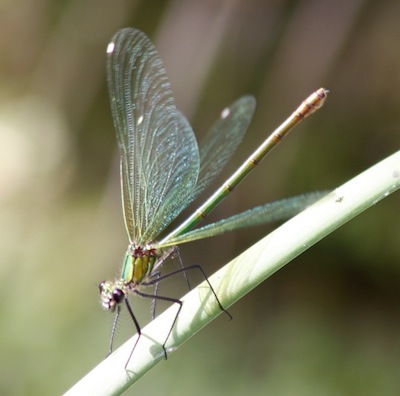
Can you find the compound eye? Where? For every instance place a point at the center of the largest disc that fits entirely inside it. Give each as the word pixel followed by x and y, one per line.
pixel 118 296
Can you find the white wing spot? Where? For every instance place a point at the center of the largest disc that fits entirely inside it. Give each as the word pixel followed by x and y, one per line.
pixel 140 120
pixel 225 113
pixel 110 47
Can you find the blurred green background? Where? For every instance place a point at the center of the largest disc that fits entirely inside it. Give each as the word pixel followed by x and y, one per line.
pixel 328 323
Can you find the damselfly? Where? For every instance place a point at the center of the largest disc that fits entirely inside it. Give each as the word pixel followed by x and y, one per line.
pixel 163 170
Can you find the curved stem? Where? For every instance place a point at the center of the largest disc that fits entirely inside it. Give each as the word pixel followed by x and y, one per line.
pixel 257 263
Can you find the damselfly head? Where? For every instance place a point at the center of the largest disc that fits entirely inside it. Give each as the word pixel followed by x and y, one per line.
pixel 112 294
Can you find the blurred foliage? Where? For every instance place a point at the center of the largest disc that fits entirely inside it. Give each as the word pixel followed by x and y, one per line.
pixel 329 323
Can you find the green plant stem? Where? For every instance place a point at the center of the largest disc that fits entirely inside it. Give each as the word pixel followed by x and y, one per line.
pixel 240 276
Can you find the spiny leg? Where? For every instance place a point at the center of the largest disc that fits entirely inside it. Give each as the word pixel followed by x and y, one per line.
pixel 173 252
pixel 183 270
pixel 155 296
pixel 177 252
pixel 155 276
pixel 138 329
pixel 114 327
pixel 163 298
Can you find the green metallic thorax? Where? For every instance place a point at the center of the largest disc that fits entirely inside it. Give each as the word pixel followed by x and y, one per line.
pixel 138 263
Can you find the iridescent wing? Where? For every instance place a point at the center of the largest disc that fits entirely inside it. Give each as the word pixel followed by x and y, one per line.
pixel 159 153
pixel 223 139
pixel 267 213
